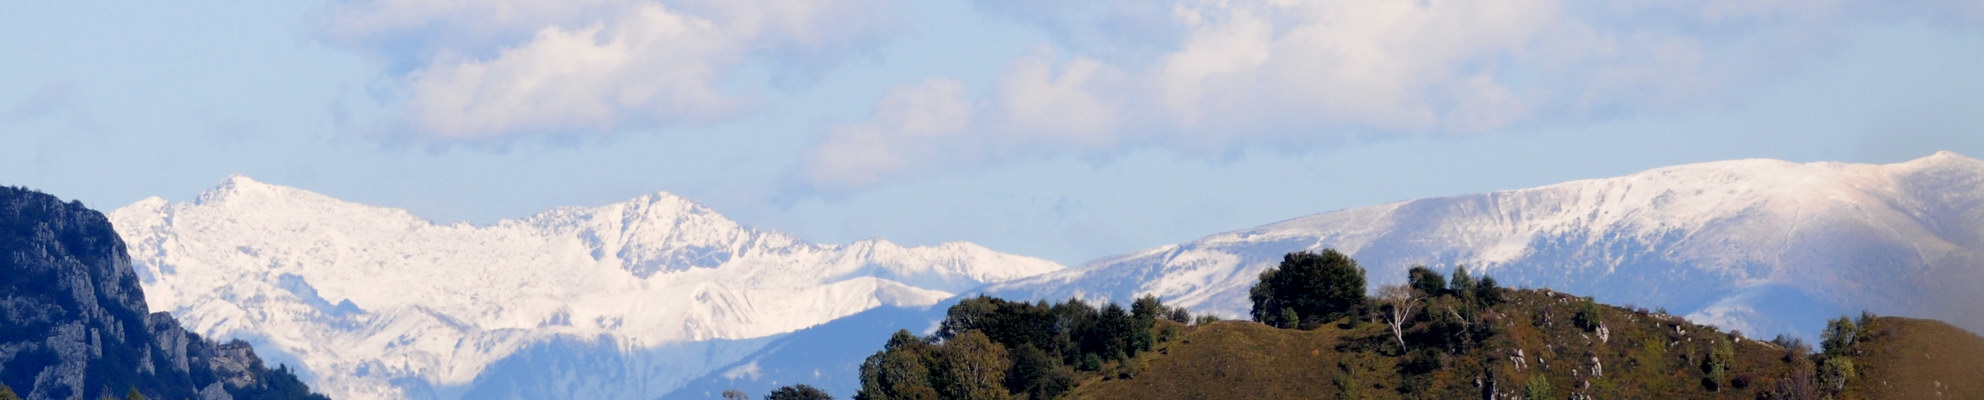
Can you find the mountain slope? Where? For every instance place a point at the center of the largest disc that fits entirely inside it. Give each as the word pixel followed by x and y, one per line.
pixel 1762 246
pixel 74 323
pixel 1539 347
pixel 378 303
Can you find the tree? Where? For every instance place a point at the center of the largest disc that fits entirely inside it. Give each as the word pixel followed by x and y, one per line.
pixel 1426 280
pixel 1180 315
pixel 134 395
pixel 798 392
pixel 1587 316
pixel 1115 334
pixel 1317 287
pixel 1487 292
pixel 1463 284
pixel 734 394
pixel 901 371
pixel 973 367
pixel 1839 334
pixel 1144 314
pixel 1720 358
pixel 7 393
pixel 1398 302
pixel 1835 373
pixel 1037 374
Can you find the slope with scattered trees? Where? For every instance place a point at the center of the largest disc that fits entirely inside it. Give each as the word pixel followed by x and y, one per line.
pixel 1433 337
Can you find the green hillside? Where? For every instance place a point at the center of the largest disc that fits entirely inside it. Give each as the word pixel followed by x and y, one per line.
pixel 1906 358
pixel 1536 346
pixel 1433 338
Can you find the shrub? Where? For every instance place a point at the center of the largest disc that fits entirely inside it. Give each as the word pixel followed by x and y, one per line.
pixel 1539 388
pixel 1587 317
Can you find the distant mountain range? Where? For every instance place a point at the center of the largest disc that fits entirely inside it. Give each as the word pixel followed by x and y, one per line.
pixel 1762 246
pixel 659 295
pixel 619 301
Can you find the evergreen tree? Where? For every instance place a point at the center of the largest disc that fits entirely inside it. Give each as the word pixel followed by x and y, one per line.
pixel 1144 313
pixel 1463 284
pixel 1114 332
pixel 1487 291
pixel 1428 282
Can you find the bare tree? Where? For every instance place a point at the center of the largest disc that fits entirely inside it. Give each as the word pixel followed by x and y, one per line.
pixel 734 394
pixel 1401 300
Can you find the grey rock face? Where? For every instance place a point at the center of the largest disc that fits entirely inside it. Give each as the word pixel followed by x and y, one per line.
pixel 74 323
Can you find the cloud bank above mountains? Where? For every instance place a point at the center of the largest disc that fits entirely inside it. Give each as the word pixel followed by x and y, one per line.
pixel 483 71
pixel 1190 76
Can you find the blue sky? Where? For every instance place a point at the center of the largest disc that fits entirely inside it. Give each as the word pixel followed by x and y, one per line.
pixel 1065 130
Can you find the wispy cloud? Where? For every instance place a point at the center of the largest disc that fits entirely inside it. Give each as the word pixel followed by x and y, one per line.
pixel 58 101
pixel 1206 76
pixel 500 70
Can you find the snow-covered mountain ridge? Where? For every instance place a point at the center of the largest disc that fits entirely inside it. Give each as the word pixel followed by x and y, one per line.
pixel 377 303
pixel 1764 246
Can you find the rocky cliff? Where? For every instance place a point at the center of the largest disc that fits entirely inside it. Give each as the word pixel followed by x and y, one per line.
pixel 74 323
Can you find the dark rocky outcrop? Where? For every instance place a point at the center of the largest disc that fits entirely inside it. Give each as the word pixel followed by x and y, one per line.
pixel 74 324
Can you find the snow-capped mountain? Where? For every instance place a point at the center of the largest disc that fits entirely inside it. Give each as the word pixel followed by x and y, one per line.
pixel 1763 246
pixel 376 303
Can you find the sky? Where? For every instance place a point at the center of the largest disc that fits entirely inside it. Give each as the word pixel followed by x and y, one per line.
pixel 1063 130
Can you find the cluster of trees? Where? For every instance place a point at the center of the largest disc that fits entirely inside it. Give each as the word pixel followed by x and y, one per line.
pixel 1826 374
pixel 1309 289
pixel 1431 319
pixel 788 392
pixel 989 348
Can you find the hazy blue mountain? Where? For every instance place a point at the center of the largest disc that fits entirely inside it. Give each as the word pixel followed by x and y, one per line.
pixel 828 356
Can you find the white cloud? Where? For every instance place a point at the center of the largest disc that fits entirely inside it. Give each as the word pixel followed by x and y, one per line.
pixel 1208 75
pixel 914 126
pixel 481 71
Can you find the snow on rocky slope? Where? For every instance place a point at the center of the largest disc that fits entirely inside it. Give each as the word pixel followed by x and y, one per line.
pixel 1763 246
pixel 376 303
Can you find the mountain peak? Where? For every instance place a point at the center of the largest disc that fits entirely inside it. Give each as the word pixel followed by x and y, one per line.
pixel 643 270
pixel 1944 157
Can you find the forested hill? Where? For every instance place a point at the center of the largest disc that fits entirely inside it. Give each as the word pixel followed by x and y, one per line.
pixel 1434 338
pixel 74 323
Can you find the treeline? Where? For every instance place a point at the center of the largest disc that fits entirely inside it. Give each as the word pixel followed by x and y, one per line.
pixel 989 348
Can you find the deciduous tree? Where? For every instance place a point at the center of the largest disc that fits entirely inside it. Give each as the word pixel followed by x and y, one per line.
pixel 973 367
pixel 1398 302
pixel 798 392
pixel 1315 286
